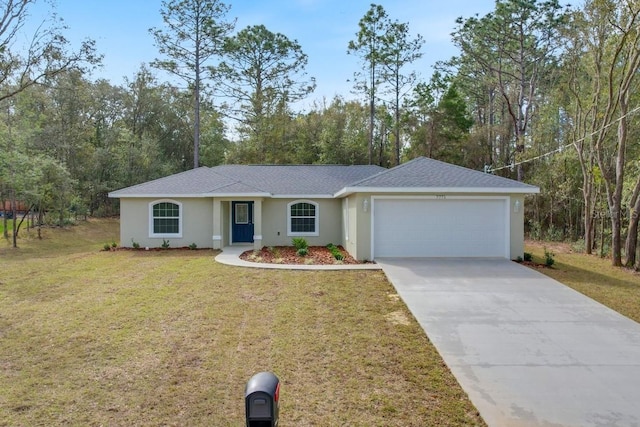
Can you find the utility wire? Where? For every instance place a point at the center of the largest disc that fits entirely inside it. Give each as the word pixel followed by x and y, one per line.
pixel 489 169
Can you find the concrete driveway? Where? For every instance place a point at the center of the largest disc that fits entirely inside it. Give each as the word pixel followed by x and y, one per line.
pixel 528 350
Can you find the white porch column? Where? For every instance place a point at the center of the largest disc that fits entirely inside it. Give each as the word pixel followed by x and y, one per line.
pixel 257 224
pixel 217 224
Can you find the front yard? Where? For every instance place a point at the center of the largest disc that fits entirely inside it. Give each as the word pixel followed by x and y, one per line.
pixel 89 337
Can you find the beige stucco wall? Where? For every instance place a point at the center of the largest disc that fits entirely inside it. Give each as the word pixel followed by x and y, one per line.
pixel 346 223
pixel 359 243
pixel 274 222
pixel 197 226
pixel 517 226
pixel 198 222
pixel 226 223
pixel 355 235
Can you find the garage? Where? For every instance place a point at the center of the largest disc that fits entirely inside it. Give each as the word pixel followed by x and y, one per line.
pixel 441 227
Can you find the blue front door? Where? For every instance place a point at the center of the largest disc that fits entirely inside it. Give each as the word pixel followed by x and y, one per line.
pixel 242 222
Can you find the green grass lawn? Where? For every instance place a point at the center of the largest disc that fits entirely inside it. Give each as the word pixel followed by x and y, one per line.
pixel 89 337
pixel 9 226
pixel 615 287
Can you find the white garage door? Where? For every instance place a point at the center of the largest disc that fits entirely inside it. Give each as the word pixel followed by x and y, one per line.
pixel 440 228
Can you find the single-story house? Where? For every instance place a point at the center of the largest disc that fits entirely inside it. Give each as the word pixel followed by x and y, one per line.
pixel 422 208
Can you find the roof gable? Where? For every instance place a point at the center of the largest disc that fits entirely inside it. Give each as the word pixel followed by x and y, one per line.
pixel 424 173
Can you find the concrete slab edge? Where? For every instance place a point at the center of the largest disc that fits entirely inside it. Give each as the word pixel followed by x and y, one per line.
pixel 231 256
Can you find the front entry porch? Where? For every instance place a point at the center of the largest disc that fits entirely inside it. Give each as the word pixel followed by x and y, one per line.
pixel 237 222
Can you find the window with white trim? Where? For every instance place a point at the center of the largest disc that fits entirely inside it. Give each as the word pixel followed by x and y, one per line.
pixel 165 219
pixel 302 218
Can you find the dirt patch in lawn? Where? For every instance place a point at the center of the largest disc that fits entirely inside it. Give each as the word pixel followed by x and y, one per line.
pixel 316 255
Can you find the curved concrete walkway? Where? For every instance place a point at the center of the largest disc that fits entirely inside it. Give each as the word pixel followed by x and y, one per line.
pixel 529 351
pixel 230 255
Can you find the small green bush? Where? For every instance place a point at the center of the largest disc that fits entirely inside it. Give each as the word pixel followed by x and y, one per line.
pixel 274 251
pixel 519 259
pixel 135 244
pixel 114 245
pixel 578 246
pixel 165 244
pixel 548 258
pixel 299 243
pixel 555 234
pixel 193 246
pixel 528 257
pixel 302 252
pixel 535 230
pixel 106 247
pixel 337 254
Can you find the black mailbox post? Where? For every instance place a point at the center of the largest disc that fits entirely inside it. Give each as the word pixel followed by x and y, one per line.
pixel 261 397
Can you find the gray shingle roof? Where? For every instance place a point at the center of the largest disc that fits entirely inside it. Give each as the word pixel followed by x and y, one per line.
pixel 265 180
pixel 298 179
pixel 320 180
pixel 424 173
pixel 194 182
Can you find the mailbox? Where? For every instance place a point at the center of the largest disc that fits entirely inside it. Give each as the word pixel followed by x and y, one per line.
pixel 261 397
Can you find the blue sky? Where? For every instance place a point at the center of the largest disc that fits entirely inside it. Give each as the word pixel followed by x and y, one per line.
pixel 322 27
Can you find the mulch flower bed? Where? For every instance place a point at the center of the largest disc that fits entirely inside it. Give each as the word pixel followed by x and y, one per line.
pixel 318 255
pixel 533 264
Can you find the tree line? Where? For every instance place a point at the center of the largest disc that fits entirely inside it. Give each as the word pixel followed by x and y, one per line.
pixel 539 92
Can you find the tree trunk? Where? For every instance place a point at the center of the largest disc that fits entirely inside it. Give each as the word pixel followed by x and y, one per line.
pixel 196 106
pixel 616 197
pixel 372 107
pixel 396 130
pixel 17 225
pixel 588 196
pixel 616 234
pixel 4 218
pixel 587 192
pixel 519 149
pixel 40 220
pixel 632 238
pixel 602 222
pixel 372 113
pixel 13 216
pixel 631 242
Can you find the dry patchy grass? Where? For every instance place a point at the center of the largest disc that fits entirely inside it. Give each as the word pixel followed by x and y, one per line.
pixel 617 288
pixel 170 338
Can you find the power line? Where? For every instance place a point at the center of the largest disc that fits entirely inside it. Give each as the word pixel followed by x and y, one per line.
pixel 512 165
pixel 489 169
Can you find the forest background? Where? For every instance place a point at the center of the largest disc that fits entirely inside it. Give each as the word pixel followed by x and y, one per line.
pixel 541 92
